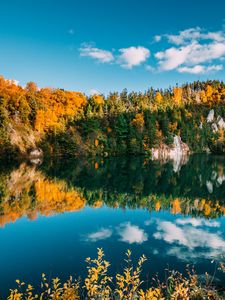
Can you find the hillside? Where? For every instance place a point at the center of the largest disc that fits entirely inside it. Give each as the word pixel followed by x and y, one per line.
pixel 70 123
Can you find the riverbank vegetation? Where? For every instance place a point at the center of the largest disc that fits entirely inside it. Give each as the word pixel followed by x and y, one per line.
pixel 70 123
pixel 128 284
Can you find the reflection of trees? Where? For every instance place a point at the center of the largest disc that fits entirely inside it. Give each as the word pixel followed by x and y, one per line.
pixel 197 190
pixel 28 192
pixel 138 177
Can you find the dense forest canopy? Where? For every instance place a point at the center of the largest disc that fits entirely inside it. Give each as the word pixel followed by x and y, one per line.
pixel 66 122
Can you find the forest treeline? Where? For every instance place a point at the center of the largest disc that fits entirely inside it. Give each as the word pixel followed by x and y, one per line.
pixel 64 122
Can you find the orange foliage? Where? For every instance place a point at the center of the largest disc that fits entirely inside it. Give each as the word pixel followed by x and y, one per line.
pixel 139 121
pixel 57 105
pixel 207 209
pixel 157 206
pixel 158 97
pixel 177 95
pixel 50 197
pixel 98 99
pixel 97 204
pixel 203 96
pixel 96 143
pixel 53 197
pixel 176 208
pixel 209 92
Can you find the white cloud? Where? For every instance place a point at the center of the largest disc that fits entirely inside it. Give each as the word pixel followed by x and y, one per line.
pixel 190 55
pixel 102 234
pixel 172 58
pixel 94 92
pixel 150 68
pixel 103 56
pixel 189 241
pixel 155 251
pixel 189 236
pixel 148 222
pixel 187 255
pixel 127 233
pixel 127 57
pixel 194 34
pixel 200 69
pixel 132 234
pixel 193 51
pixel 157 38
pixel 192 47
pixel 218 36
pixel 197 222
pixel 186 35
pixel 133 56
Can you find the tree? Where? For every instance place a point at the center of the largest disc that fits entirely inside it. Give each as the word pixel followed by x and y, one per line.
pixel 177 95
pixel 158 98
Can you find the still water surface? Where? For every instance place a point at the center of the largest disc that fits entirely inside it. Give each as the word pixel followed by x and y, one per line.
pixel 54 216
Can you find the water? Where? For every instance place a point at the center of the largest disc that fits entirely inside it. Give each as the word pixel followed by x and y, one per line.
pixel 54 216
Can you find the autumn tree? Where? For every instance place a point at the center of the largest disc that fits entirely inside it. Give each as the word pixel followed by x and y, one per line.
pixel 177 95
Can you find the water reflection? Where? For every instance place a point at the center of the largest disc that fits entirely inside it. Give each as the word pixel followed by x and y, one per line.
pixel 191 238
pixel 173 217
pixel 198 189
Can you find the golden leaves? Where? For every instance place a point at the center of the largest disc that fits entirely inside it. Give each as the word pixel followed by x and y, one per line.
pixel 176 206
pixel 158 97
pixel 98 285
pixel 128 283
pixel 96 142
pixel 177 95
pixel 209 91
pixel 139 121
pixel 97 281
pixel 98 99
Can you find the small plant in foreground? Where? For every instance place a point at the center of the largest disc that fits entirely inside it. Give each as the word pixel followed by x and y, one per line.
pixel 98 285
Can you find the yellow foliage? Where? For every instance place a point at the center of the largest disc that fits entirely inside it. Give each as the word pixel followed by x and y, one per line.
pixel 177 95
pixel 97 204
pixel 139 121
pixel 129 281
pixel 151 294
pixel 99 285
pixel 176 208
pixel 158 97
pixel 57 104
pixel 209 92
pixel 97 281
pixel 98 99
pixel 221 135
pixel 173 126
pixel 96 142
pixel 157 206
pixel 207 209
pixel 203 96
pixel 54 197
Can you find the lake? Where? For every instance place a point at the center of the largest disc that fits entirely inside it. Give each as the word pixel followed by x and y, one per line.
pixel 55 215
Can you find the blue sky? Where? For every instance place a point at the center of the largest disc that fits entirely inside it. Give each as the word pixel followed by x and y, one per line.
pixel 108 45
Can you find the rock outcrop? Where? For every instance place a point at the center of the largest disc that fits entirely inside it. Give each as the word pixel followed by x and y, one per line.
pixel 36 156
pixel 216 123
pixel 177 153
